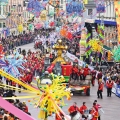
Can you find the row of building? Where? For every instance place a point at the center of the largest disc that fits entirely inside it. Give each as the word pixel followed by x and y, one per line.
pixel 16 12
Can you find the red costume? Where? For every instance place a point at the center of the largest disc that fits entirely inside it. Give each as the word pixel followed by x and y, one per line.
pixel 73 109
pixel 109 84
pixel 82 109
pixel 86 71
pixel 101 85
pixel 94 113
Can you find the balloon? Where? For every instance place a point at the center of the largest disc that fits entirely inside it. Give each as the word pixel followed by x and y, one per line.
pixel 43 15
pixel 52 24
pixel 69 35
pixel 83 42
pixel 30 26
pixel 57 29
pixel 20 28
pixel 63 32
pixel 38 26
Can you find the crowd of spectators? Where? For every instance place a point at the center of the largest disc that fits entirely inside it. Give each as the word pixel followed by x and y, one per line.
pixel 14 41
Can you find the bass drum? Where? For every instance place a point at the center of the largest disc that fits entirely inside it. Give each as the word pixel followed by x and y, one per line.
pixel 77 116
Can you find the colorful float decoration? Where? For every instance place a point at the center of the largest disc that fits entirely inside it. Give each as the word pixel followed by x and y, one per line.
pixel 117 6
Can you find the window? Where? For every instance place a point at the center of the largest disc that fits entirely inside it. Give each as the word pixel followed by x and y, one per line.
pixel 0 25
pixel 61 1
pixel 9 7
pixel 90 11
pixel 0 10
pixel 4 25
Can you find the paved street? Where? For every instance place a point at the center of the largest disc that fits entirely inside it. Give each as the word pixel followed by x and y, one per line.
pixel 111 105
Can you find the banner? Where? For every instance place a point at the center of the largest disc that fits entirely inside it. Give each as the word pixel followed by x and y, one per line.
pixel 73 58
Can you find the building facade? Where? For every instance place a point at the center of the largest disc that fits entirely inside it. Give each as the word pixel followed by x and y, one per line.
pixel 17 15
pixel 2 19
pixel 109 20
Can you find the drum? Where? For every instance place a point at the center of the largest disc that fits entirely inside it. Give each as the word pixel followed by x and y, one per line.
pixel 100 111
pixel 68 117
pixel 77 116
pixel 89 117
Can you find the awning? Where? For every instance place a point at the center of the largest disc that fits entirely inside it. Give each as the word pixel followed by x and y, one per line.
pixel 106 22
pixel 107 48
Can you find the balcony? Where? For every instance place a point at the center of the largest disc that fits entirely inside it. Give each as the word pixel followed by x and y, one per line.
pixel 91 4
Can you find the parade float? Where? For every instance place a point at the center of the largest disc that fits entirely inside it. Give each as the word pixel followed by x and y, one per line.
pixel 61 67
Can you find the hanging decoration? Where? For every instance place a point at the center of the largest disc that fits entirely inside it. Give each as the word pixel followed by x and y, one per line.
pixel 52 24
pixel 36 7
pixel 76 7
pixel 31 27
pixel 100 6
pixel 20 28
pixel 43 15
pixel 117 6
pixel 38 25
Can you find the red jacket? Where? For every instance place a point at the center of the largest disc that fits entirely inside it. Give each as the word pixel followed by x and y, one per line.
pixel 75 70
pixel 86 71
pixel 99 76
pixel 73 109
pixel 101 85
pixel 82 109
pixel 94 114
pixel 109 84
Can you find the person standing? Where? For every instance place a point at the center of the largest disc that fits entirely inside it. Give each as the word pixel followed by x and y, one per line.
pixel 100 89
pixel 109 85
pixel 82 110
pixel 94 112
pixel 98 107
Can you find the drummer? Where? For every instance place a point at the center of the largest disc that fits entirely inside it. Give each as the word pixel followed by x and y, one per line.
pixel 83 109
pixel 73 110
